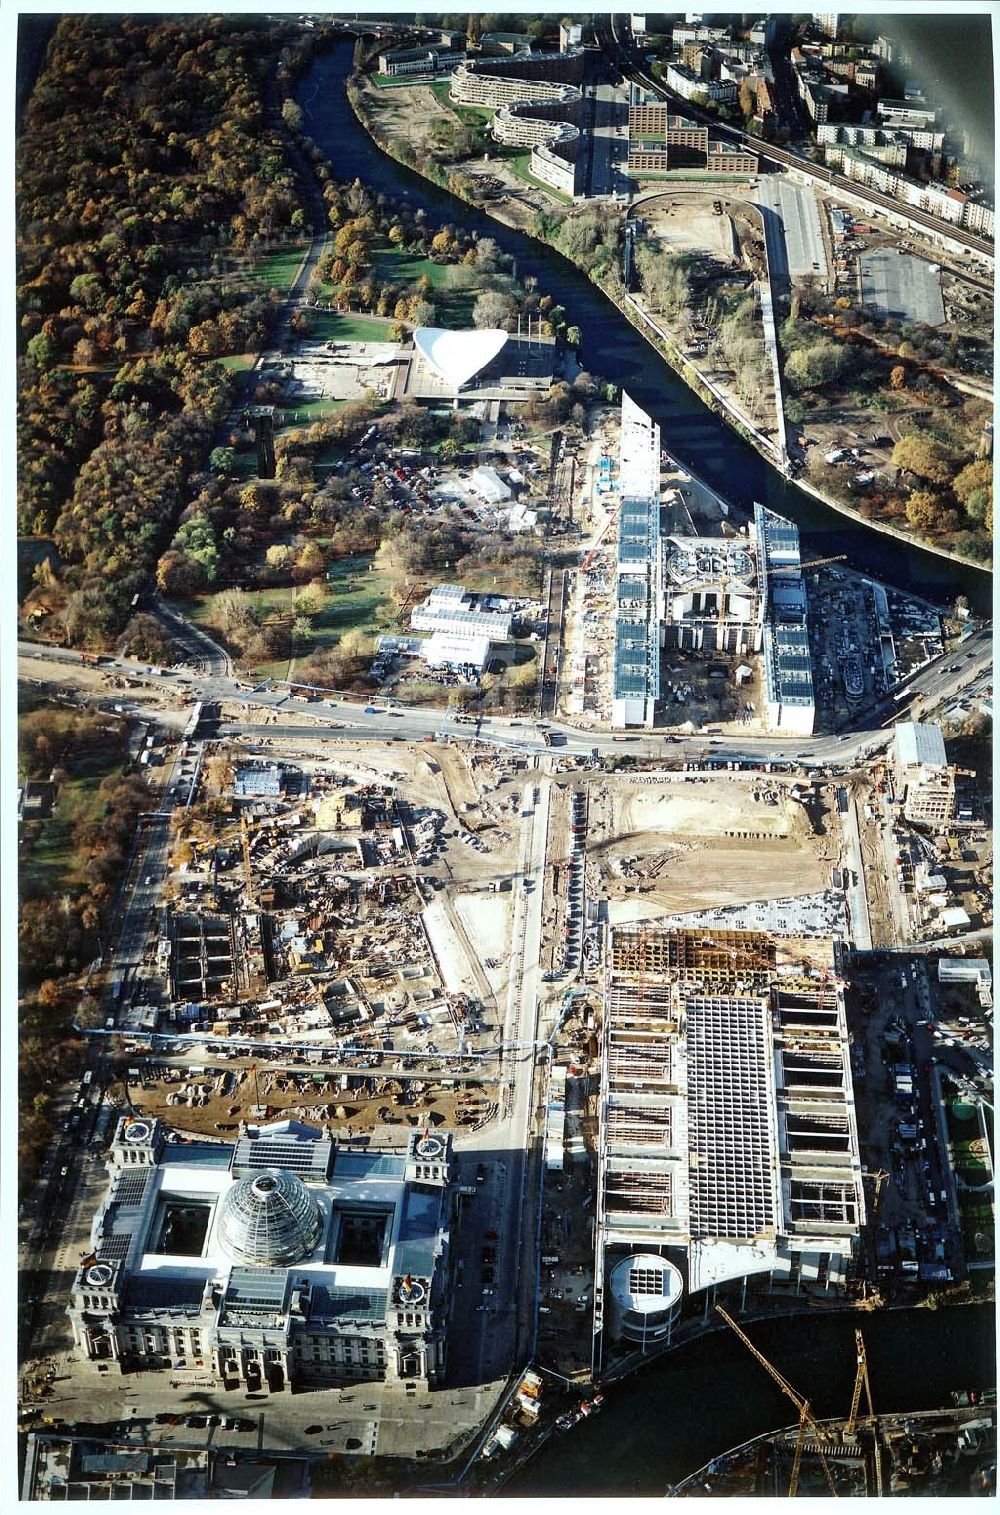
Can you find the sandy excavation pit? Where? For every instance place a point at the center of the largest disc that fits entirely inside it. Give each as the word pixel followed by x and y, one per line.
pixel 694 847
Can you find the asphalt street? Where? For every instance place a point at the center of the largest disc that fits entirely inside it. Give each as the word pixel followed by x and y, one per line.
pixel 382 721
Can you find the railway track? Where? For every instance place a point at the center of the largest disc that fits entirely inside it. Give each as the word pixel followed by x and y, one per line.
pixel 786 159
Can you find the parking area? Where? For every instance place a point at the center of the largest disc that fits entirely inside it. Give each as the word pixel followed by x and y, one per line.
pixel 901 286
pixel 796 208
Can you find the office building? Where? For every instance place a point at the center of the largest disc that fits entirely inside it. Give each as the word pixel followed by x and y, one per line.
pixel 727 1139
pixel 924 778
pixel 418 60
pixel 711 594
pixel 282 1260
pixel 660 140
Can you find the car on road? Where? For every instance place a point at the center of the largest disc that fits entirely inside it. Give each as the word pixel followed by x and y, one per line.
pixel 480 1174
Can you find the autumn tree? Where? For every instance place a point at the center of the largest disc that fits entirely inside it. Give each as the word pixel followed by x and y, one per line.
pixel 492 309
pixel 974 477
pixel 923 509
pixel 924 457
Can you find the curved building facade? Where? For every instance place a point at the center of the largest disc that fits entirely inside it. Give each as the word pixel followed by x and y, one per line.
pixel 530 112
pixel 646 1291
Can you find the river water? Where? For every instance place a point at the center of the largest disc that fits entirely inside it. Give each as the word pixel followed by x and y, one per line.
pixel 669 1419
pixel 612 348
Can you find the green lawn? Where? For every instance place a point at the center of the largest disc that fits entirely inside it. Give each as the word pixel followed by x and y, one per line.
pixel 239 362
pixel 277 270
pixel 309 410
pixel 474 116
pixel 452 295
pixel 337 326
pixel 54 864
pixel 356 599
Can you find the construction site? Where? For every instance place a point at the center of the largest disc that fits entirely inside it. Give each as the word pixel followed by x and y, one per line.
pixel 950 1451
pixel 695 843
pixel 728 1147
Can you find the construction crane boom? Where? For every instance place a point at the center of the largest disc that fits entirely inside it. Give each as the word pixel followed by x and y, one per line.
pixel 806 1419
pixel 840 557
pixel 783 1384
pixel 860 1381
pixel 612 518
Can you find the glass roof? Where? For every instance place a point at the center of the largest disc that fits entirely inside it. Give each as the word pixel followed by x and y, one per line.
pixel 269 1219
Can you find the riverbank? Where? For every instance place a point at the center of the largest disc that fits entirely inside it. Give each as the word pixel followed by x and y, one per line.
pixel 686 372
pixel 671 1415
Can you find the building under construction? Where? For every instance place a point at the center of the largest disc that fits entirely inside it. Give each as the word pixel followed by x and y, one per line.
pixel 728 1144
pixel 712 595
pixel 734 595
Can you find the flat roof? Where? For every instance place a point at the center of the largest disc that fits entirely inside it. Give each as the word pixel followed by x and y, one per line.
pixel 920 744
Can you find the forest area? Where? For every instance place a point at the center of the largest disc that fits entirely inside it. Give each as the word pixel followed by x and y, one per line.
pixel 149 181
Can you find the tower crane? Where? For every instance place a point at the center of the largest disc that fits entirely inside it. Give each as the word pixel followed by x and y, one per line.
pixel 806 1418
pixel 862 1381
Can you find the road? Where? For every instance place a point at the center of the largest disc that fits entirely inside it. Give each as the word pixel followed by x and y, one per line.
pixel 341 719
pixel 197 644
pixel 606 109
pixel 857 888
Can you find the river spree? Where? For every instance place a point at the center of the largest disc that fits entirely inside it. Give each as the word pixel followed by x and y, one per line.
pixel 672 1418
pixel 613 349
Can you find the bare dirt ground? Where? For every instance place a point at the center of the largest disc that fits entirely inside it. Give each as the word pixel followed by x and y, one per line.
pixel 675 848
pixel 298 1096
pixel 407 114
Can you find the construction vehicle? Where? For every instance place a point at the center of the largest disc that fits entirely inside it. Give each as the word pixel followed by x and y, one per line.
pixel 807 1422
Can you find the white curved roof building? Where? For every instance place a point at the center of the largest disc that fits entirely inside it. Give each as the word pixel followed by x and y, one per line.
pixel 457 356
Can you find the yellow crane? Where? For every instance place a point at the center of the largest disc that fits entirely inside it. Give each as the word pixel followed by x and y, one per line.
pixel 806 1419
pixel 247 863
pixel 862 1381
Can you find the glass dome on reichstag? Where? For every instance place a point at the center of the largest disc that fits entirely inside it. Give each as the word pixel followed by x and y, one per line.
pixel 269 1220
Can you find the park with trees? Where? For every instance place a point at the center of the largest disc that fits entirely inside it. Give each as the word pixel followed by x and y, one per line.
pixel 847 377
